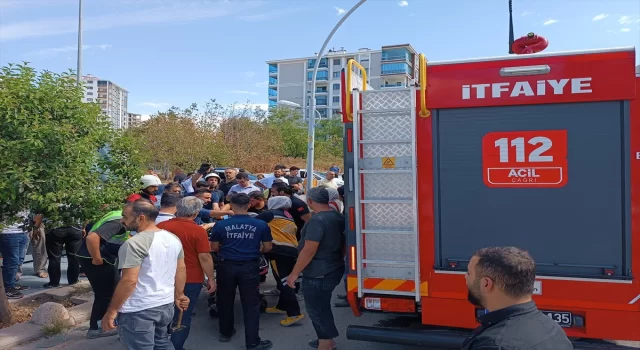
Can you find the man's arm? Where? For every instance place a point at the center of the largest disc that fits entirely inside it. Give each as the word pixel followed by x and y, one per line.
pixel 195 178
pixel 93 246
pixel 206 262
pixel 217 213
pixel 181 278
pixel 124 289
pixel 266 247
pixel 306 217
pixel 215 246
pixel 305 256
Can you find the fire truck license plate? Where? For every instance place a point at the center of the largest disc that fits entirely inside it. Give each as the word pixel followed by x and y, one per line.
pixel 564 319
pixel 372 304
pixel 525 158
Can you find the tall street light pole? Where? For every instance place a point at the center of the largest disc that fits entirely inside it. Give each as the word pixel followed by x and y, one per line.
pixel 312 107
pixel 511 38
pixel 79 69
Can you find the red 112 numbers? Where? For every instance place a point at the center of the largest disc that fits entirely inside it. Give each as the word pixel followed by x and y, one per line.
pixel 525 158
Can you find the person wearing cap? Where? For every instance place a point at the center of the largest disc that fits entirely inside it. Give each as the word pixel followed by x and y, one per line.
pixel 283 257
pixel 149 187
pixel 257 202
pixel 321 263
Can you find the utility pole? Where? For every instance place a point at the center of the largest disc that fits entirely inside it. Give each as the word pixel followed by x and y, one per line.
pixel 79 68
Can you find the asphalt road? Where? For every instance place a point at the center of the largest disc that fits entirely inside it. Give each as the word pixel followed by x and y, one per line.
pixel 204 332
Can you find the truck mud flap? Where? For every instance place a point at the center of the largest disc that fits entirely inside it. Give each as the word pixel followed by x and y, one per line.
pixel 445 339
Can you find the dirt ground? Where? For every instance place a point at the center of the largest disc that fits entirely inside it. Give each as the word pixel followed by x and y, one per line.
pixel 22 313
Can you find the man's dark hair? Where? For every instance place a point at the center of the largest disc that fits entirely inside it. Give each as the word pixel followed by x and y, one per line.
pixel 512 269
pixel 279 167
pixel 282 187
pixel 242 176
pixel 292 168
pixel 240 200
pixel 170 199
pixel 144 207
pixel 202 184
pixel 171 185
pixel 256 195
pixel 200 191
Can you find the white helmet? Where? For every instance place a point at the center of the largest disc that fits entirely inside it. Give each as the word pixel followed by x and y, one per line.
pixel 149 180
pixel 212 175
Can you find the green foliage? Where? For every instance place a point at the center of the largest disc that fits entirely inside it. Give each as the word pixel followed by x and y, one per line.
pixel 329 138
pixel 291 129
pixel 49 150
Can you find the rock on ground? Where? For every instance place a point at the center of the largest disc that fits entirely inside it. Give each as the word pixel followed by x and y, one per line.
pixel 50 313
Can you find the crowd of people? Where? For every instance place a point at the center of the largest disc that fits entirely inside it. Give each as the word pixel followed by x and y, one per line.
pixel 149 262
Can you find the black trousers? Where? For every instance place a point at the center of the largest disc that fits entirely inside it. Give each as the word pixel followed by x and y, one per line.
pixel 243 275
pixel 103 279
pixel 69 239
pixel 282 266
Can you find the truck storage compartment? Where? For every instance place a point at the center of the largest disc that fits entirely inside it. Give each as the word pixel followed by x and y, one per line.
pixel 577 227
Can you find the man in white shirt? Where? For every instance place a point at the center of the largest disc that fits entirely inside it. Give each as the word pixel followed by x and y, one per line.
pixel 243 186
pixel 278 173
pixel 153 279
pixel 168 209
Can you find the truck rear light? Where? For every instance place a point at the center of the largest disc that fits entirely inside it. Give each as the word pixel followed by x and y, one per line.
pixel 453 264
pixel 372 304
pixel 609 272
pixel 353 258
pixel 352 219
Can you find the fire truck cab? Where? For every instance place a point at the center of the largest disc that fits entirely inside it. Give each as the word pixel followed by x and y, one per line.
pixel 538 151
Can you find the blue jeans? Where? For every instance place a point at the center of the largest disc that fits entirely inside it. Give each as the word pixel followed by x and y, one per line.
pixel 192 291
pixel 147 329
pixel 317 298
pixel 13 248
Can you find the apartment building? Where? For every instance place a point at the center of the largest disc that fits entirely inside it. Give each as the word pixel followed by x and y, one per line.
pixel 113 99
pixel 132 120
pixel 290 79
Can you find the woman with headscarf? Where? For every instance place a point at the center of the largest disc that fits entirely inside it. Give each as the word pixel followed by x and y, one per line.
pixel 283 257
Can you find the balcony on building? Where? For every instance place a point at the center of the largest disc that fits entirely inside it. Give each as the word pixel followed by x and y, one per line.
pixel 320 76
pixel 273 104
pixel 324 63
pixel 393 81
pixel 395 69
pixel 273 69
pixel 320 90
pixel 321 101
pixel 273 82
pixel 273 94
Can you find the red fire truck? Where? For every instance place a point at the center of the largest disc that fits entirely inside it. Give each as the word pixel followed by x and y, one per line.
pixel 538 151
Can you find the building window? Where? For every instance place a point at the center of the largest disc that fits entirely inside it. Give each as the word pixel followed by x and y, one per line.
pixel 336 99
pixel 90 93
pixel 395 68
pixel 273 68
pixel 89 87
pixel 273 81
pixel 273 92
pixel 336 75
pixel 337 61
pixel 395 54
pixel 321 101
pixel 321 89
pixel 336 87
pixel 322 75
pixel 312 63
pixel 272 104
pixel 89 100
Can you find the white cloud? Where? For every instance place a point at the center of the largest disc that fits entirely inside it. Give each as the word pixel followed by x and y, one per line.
pixel 625 20
pixel 403 3
pixel 624 30
pixel 549 21
pixel 172 12
pixel 242 92
pixel 339 11
pixel 600 16
pixel 262 84
pixel 249 74
pixel 527 13
pixel 156 104
pixel 70 48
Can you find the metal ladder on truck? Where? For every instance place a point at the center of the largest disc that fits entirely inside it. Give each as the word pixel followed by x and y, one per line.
pixel 385 186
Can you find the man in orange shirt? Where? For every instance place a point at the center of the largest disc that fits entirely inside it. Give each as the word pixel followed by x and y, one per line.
pixel 197 258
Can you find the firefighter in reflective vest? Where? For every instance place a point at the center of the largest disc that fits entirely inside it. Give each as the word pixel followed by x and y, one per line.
pixel 98 257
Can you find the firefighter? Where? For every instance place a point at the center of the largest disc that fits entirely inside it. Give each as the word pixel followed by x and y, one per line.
pixel 239 241
pixel 149 185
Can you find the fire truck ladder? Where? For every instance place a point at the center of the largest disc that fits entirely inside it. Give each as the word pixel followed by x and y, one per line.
pixel 385 186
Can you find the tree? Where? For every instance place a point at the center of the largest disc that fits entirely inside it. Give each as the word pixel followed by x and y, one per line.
pixel 292 130
pixel 329 139
pixel 59 156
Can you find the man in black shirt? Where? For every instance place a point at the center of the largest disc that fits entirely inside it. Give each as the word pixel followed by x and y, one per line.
pixel 500 280
pixel 257 203
pixel 299 209
pixel 295 181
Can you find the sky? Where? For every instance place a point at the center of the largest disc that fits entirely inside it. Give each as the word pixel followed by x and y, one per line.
pixel 176 52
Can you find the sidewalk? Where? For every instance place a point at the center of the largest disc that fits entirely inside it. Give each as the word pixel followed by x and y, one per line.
pixel 34 282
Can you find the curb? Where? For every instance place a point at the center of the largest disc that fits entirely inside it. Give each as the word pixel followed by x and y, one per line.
pixel 26 332
pixel 53 291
